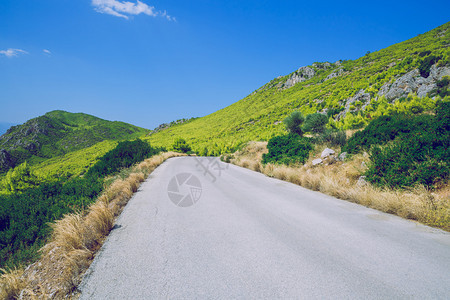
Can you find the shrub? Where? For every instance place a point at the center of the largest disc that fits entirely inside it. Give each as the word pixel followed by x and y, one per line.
pixel 315 123
pixel 123 156
pixel 442 86
pixel 332 138
pixel 425 65
pixel 288 149
pixel 294 122
pixel 422 159
pixel 387 128
pixel 180 145
pixel 421 156
pixel 443 116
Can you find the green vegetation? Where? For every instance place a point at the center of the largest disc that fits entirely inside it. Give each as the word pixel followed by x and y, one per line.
pixel 24 217
pixel 387 128
pixel 315 123
pixel 258 116
pixel 288 149
pixel 443 87
pixel 19 179
pixel 294 123
pixel 180 145
pixel 333 138
pixel 72 164
pixel 58 133
pixel 124 155
pixel 25 214
pixel 407 149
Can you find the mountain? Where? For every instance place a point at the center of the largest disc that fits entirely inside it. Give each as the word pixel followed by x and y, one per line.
pixel 57 133
pixel 349 92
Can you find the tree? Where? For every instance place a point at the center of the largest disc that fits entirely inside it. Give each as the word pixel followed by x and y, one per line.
pixel 315 123
pixel 294 123
pixel 180 145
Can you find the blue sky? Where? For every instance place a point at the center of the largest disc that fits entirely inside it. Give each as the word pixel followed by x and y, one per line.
pixel 148 62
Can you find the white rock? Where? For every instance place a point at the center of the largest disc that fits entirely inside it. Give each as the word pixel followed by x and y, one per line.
pixel 317 161
pixel 327 152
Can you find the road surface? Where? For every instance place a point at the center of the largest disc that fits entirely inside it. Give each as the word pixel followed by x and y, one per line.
pixel 202 229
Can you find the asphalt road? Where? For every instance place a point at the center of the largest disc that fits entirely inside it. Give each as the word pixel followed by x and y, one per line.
pixel 246 236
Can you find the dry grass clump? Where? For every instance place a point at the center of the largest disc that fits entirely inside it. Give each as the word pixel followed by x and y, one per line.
pixel 340 179
pixel 74 241
pixel 11 283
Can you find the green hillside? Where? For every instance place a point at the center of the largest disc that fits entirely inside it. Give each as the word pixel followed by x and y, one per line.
pixel 58 133
pixel 409 76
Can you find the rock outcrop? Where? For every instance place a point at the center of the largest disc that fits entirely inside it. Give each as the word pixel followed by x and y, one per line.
pixel 302 74
pixel 6 161
pixel 412 82
pixel 358 102
pixel 337 73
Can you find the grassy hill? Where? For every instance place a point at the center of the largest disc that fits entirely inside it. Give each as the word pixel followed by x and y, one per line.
pixel 403 77
pixel 58 133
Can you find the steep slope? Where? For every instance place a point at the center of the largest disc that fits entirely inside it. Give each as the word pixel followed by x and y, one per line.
pixel 403 76
pixel 57 133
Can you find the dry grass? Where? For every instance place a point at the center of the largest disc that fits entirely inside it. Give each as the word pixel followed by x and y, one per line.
pixel 74 241
pixel 11 283
pixel 340 179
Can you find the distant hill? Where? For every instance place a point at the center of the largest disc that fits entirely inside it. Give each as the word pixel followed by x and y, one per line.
pixel 350 92
pixel 57 133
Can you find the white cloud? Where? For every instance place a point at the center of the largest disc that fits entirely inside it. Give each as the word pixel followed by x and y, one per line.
pixel 12 52
pixel 48 52
pixel 124 9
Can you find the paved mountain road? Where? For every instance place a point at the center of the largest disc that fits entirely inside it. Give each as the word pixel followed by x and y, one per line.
pixel 253 237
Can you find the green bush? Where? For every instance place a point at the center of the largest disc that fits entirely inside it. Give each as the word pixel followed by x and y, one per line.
pixel 421 156
pixel 180 145
pixel 422 159
pixel 123 156
pixel 294 123
pixel 443 117
pixel 332 138
pixel 387 128
pixel 443 86
pixel 315 123
pixel 288 149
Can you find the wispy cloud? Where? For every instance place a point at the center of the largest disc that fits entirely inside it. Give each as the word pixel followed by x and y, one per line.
pixel 46 51
pixel 12 52
pixel 125 9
